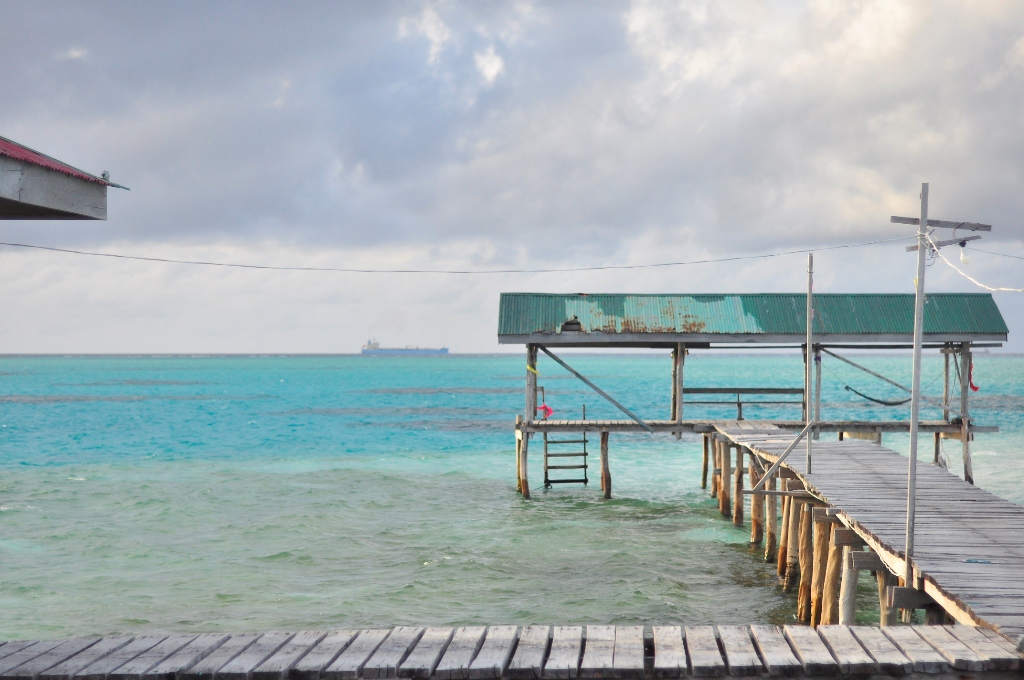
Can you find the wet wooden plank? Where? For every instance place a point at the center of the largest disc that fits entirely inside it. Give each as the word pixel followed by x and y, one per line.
pixel 13 646
pixel 277 666
pixel 111 662
pixel 66 669
pixel 923 656
pixel 778 658
pixel 240 667
pixel 999 640
pixel 702 651
pixel 669 652
pixel 26 654
pixel 493 658
pixel 599 655
pixel 385 661
pixel 564 658
pixel 134 668
pixel 186 657
pixel 427 653
pixel 321 656
pixel 888 657
pixel 740 655
pixel 957 654
pixel 528 661
pixel 998 658
pixel 350 662
pixel 629 651
pixel 62 652
pixel 466 642
pixel 208 666
pixel 810 651
pixel 847 650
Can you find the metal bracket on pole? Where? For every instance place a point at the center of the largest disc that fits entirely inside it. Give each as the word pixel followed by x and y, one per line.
pixel 596 388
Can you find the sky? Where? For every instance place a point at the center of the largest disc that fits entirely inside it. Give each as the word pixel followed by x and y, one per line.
pixel 483 135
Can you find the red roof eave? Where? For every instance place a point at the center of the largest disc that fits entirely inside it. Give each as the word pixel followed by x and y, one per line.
pixel 23 153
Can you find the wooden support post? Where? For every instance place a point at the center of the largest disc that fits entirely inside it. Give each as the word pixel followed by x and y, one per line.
pixel 677 377
pixel 519 447
pixel 531 383
pixel 771 545
pixel 817 390
pixel 946 351
pixel 793 545
pixel 780 566
pixel 965 391
pixel 938 449
pixel 737 509
pixel 524 477
pixel 848 590
pixel 806 564
pixel 675 385
pixel 822 534
pixel 830 591
pixel 887 614
pixel 756 505
pixel 724 488
pixel 716 472
pixel 606 475
pixel 704 469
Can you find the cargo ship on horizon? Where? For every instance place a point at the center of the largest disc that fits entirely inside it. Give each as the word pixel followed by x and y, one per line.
pixel 373 348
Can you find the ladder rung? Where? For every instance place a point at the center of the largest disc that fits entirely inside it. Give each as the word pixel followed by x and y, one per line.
pixel 566 455
pixel 567 481
pixel 567 467
pixel 568 441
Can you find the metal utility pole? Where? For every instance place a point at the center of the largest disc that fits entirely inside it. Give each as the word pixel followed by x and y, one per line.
pixel 808 353
pixel 924 244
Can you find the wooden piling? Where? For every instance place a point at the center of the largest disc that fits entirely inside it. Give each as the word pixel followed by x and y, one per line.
pixel 792 546
pixel 756 505
pixel 822 533
pixel 848 590
pixel 716 472
pixel 524 478
pixel 724 503
pixel 737 511
pixel 966 359
pixel 780 566
pixel 830 591
pixel 519 447
pixel 704 470
pixel 771 544
pixel 887 614
pixel 606 475
pixel 806 564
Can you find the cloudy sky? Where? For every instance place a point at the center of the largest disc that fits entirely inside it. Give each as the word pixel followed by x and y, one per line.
pixel 493 135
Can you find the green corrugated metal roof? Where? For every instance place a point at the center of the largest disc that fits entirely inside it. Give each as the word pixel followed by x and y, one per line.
pixel 773 314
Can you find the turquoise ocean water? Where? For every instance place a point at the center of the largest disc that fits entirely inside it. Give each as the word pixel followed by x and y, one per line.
pixel 247 493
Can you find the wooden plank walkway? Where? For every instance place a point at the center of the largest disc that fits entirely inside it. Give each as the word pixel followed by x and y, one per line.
pixel 478 652
pixel 968 543
pixel 710 425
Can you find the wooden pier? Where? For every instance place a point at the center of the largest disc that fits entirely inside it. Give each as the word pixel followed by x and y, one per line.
pixel 533 651
pixel 849 514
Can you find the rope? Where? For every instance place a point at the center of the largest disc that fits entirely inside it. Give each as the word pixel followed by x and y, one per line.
pixel 883 402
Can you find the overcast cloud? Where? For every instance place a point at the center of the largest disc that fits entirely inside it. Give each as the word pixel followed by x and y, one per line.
pixel 446 134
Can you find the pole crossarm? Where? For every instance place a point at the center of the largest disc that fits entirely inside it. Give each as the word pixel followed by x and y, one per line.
pixel 596 389
pixel 931 401
pixel 789 450
pixel 942 224
pixel 948 242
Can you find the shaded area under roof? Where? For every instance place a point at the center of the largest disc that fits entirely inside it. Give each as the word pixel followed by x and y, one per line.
pixel 654 320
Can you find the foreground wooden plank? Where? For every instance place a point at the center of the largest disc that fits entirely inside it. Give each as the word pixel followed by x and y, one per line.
pixel 629 651
pixel 252 656
pixel 846 649
pixel 528 661
pixel 778 657
pixel 318 658
pixel 461 650
pixel 564 659
pixel 669 652
pixel 740 655
pixel 26 654
pixel 135 667
pixel 810 651
pixel 13 646
pixel 959 655
pixel 385 661
pixel 116 659
pixel 186 657
pixel 424 658
pixel 999 640
pixel 493 657
pixel 276 666
pixel 702 650
pixel 350 662
pixel 599 657
pixel 65 650
pixel 213 662
pixel 998 658
pixel 923 656
pixel 888 657
pixel 78 662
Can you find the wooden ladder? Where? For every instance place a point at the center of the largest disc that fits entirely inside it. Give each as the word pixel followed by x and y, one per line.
pixel 573 460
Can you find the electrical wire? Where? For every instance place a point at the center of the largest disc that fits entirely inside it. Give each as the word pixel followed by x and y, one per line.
pixel 935 249
pixel 352 270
